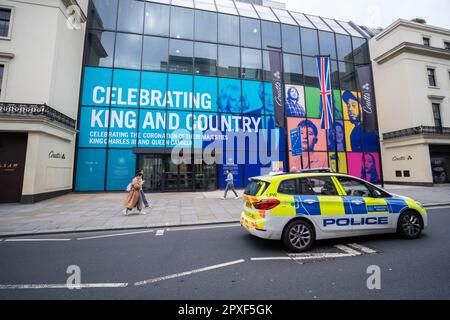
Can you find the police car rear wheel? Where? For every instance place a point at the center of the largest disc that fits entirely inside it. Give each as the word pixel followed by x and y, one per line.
pixel 298 236
pixel 410 225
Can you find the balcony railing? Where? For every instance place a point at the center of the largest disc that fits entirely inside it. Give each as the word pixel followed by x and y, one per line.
pixel 35 110
pixel 421 130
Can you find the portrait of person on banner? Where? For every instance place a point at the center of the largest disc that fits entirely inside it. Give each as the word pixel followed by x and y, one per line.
pixel 230 96
pixel 269 123
pixel 313 137
pixel 340 137
pixel 365 166
pixel 252 103
pixel 295 101
pixel 370 168
pixel 316 160
pixel 353 112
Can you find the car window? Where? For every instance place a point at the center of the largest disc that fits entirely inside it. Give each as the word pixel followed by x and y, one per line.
pixel 317 186
pixel 378 193
pixel 354 188
pixel 288 187
pixel 255 186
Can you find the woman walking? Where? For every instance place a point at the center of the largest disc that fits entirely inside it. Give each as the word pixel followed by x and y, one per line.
pixel 134 199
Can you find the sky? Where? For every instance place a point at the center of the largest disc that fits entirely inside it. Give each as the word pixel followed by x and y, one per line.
pixel 376 13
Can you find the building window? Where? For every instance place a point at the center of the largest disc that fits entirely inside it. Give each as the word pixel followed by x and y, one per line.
pixel 181 56
pixel 291 38
pixel 251 64
pixel 293 73
pixel 250 33
pixel 447 45
pixel 156 19
pixel 431 77
pixel 437 116
pixel 103 14
pixel 406 173
pixel 128 51
pixel 228 29
pixel 205 58
pixel 5 19
pixel 271 34
pixel 426 41
pixel 182 23
pixel 205 26
pixel 100 48
pixel 131 16
pixel 2 71
pixel 155 54
pixel 327 44
pixel 229 61
pixel 398 173
pixel 309 40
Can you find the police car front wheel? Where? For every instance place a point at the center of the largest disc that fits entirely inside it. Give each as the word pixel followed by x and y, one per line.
pixel 298 236
pixel 410 225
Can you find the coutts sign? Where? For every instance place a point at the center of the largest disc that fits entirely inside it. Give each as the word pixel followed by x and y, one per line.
pixel 53 155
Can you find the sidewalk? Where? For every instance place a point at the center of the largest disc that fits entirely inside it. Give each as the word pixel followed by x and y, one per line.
pixel 103 211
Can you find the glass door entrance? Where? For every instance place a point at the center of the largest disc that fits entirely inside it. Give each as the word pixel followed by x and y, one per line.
pixel 161 174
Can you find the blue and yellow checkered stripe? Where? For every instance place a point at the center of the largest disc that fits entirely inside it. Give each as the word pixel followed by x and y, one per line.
pixel 341 205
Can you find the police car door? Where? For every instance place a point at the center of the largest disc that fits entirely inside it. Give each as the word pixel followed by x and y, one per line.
pixel 322 202
pixel 367 211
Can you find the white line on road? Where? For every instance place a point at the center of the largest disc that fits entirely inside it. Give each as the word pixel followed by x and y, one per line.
pixel 160 232
pixel 348 250
pixel 62 286
pixel 304 257
pixel 362 248
pixel 115 235
pixel 34 240
pixel 182 274
pixel 232 225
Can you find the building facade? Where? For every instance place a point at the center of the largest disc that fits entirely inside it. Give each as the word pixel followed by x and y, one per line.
pixel 41 45
pixel 411 65
pixel 160 74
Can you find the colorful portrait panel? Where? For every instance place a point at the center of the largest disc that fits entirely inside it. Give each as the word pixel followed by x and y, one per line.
pixel 313 137
pixel 338 162
pixel 252 97
pixel 295 101
pixel 365 166
pixel 317 160
pixel 312 102
pixel 338 139
pixel 230 95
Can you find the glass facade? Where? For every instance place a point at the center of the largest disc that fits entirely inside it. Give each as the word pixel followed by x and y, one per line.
pixel 157 76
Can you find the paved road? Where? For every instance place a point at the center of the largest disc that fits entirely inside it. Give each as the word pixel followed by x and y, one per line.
pixel 216 263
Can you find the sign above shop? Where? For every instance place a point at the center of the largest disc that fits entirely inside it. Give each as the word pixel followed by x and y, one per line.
pixel 402 158
pixel 54 155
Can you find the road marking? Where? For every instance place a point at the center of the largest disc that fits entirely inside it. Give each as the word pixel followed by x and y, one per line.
pixel 160 232
pixel 362 248
pixel 31 240
pixel 115 235
pixel 62 286
pixel 305 256
pixel 270 258
pixel 348 250
pixel 182 274
pixel 232 225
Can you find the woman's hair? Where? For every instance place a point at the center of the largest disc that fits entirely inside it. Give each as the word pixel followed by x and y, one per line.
pixel 138 173
pixel 372 171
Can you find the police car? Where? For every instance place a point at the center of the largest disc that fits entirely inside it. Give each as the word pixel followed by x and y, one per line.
pixel 317 204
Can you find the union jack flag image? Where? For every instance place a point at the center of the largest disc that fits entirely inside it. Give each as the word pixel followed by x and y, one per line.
pixel 326 98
